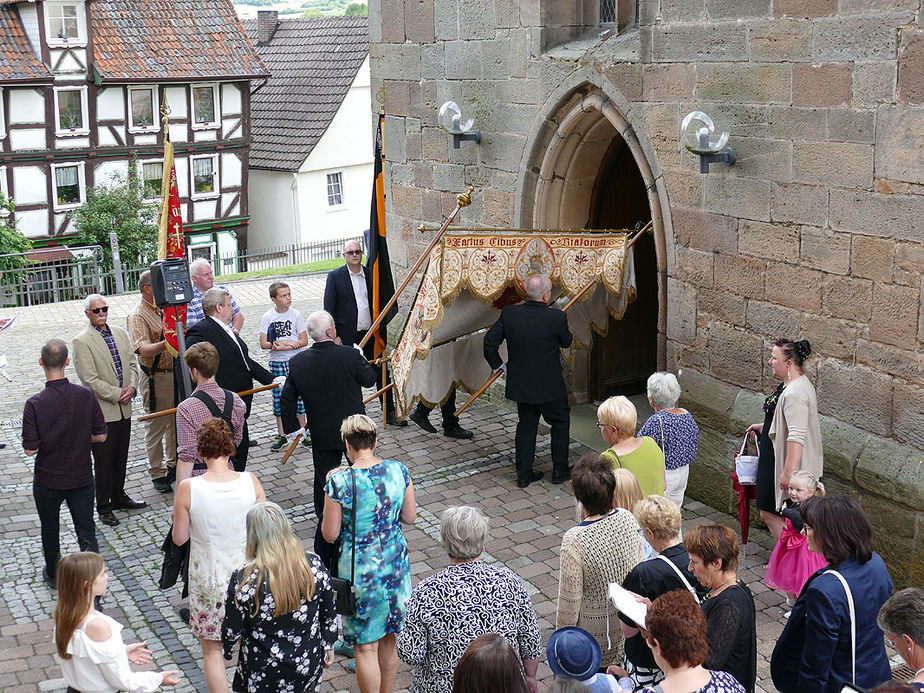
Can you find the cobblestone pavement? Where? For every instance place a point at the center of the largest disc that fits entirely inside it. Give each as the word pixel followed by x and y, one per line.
pixel 527 524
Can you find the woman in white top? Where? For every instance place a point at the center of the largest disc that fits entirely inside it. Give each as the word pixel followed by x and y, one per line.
pixel 92 655
pixel 211 511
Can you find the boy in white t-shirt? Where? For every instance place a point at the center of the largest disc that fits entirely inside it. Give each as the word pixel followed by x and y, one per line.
pixel 283 333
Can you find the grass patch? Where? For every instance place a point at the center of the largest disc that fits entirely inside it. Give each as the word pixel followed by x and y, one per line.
pixel 305 268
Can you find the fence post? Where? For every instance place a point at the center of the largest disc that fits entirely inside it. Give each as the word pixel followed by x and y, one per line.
pixel 116 262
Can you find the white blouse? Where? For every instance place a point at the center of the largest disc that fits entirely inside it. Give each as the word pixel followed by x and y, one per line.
pixel 102 667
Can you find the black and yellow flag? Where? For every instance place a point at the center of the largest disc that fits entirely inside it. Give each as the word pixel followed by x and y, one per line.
pixel 377 262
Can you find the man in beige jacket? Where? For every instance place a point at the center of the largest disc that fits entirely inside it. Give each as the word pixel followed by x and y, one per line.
pixel 105 363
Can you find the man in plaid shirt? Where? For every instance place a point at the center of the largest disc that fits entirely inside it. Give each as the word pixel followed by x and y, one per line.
pixel 200 272
pixel 202 359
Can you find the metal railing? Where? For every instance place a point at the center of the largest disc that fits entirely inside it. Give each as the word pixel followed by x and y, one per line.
pixel 57 274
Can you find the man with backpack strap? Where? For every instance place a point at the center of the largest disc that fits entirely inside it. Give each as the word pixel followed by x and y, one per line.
pixel 207 400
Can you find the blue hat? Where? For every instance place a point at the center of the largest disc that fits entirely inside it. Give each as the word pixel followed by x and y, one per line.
pixel 573 653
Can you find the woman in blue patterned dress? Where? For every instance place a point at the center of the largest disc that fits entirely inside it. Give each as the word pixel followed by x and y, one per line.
pixel 674 430
pixel 382 574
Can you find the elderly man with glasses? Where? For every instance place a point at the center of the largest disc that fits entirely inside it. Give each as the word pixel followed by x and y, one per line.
pixel 105 363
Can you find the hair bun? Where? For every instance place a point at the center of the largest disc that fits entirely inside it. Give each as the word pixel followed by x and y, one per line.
pixel 803 348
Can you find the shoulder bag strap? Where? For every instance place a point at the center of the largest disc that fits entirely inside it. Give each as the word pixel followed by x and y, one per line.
pixel 609 453
pixel 683 578
pixel 853 625
pixel 353 526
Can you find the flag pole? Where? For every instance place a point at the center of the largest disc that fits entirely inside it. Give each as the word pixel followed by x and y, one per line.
pixel 463 200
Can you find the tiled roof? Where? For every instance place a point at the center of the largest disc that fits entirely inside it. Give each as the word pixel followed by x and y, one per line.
pixel 17 59
pixel 312 63
pixel 171 39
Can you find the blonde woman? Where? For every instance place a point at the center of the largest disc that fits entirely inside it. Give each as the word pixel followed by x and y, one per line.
pixel 375 496
pixel 89 643
pixel 280 606
pixel 627 494
pixel 617 419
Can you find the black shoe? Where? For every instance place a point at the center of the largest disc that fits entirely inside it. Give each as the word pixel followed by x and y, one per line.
pixel 422 421
pixel 171 475
pixel 561 479
pixel 162 485
pixel 392 421
pixel 252 443
pixel 458 432
pixel 533 476
pixel 108 519
pixel 126 503
pixel 184 615
pixel 50 581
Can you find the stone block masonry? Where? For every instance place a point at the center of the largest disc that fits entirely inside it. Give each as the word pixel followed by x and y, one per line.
pixel 817 231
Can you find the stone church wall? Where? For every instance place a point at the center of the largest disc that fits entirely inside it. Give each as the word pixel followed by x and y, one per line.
pixel 817 232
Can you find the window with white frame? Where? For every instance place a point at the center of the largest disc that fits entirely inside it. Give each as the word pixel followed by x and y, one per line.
pixel 152 176
pixel 204 175
pixel 206 111
pixel 69 186
pixel 142 109
pixel 4 188
pixel 71 111
pixel 66 23
pixel 335 189
pixel 2 117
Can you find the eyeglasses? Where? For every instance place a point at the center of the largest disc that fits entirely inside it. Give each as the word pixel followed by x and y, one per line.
pixel 352 252
pixel 601 426
pixel 102 309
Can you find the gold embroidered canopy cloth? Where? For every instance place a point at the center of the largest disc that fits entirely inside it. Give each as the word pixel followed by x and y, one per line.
pixel 473 273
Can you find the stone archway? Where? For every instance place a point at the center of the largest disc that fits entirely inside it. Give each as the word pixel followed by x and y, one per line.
pixel 562 167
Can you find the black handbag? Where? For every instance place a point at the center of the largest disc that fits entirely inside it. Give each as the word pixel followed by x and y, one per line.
pixel 344 596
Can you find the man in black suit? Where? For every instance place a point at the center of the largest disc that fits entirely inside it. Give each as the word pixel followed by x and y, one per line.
pixel 236 370
pixel 347 296
pixel 535 333
pixel 328 378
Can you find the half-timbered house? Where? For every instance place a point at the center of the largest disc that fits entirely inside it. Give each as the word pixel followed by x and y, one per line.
pixel 81 87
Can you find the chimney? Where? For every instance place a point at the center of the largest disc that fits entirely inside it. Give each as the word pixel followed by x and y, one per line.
pixel 267 21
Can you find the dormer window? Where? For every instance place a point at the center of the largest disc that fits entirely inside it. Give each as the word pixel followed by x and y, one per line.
pixel 65 23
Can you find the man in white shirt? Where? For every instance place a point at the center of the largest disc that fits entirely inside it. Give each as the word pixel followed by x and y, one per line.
pixel 346 297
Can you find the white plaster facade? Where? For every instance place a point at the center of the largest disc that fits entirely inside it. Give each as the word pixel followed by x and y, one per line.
pixel 292 207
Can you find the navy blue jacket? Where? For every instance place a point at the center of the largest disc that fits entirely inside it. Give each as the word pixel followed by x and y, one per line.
pixel 813 652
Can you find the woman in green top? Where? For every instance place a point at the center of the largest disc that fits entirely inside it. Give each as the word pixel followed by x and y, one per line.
pixel 617 419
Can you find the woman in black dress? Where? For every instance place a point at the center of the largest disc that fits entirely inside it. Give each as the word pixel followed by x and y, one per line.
pixel 280 605
pixel 766 460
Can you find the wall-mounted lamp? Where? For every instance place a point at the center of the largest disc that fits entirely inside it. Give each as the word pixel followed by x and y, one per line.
pixel 451 121
pixel 698 134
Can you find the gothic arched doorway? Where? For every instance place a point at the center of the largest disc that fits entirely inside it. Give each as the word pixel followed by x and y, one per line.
pixel 586 168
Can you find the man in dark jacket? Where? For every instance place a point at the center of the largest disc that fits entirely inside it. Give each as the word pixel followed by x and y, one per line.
pixel 347 297
pixel 236 370
pixel 534 333
pixel 328 378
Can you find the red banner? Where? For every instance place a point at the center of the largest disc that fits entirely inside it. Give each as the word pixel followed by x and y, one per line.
pixel 170 240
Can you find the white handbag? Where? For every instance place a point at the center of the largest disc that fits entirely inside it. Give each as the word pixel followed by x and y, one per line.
pixel 746 465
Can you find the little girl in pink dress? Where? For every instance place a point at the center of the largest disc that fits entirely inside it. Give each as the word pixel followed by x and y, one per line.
pixel 792 563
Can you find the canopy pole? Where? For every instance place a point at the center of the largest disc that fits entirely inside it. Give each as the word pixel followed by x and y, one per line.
pixel 463 200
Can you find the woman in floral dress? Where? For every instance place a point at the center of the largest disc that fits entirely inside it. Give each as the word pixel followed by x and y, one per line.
pixel 383 499
pixel 280 605
pixel 210 512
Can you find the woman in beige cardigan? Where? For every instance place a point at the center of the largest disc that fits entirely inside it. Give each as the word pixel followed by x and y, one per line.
pixel 602 549
pixel 795 432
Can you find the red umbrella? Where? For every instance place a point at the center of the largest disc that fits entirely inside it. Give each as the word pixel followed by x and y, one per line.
pixel 745 493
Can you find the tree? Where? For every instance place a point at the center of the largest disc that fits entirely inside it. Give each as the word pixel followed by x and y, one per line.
pixel 11 239
pixel 118 205
pixel 356 9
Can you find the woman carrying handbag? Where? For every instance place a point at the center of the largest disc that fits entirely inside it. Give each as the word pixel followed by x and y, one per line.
pixel 364 506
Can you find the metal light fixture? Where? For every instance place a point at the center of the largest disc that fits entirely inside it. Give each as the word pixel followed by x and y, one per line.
pixel 451 121
pixel 699 135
